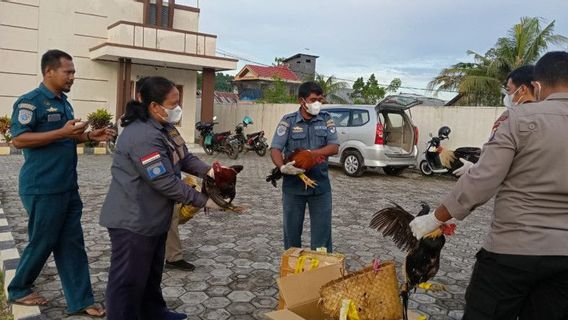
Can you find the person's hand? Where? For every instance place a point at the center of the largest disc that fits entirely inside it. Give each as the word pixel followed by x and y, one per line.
pixel 289 169
pixel 423 225
pixel 73 128
pixel 464 168
pixel 210 204
pixel 104 134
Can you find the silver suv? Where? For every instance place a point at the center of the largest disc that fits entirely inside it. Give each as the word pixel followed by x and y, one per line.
pixel 375 136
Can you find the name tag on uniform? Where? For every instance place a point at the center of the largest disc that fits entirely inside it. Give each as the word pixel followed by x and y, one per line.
pixel 297 129
pixel 53 117
pixel 320 127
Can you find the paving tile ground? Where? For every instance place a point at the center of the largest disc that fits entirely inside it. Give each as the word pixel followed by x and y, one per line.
pixel 238 256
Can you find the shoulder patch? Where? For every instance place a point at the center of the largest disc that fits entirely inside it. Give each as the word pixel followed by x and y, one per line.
pixel 284 123
pixel 147 159
pixel 281 130
pixel 496 126
pixel 27 106
pixel 25 116
pixel 155 170
pixel 330 123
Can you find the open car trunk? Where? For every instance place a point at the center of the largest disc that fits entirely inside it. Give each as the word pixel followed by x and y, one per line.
pixel 398 131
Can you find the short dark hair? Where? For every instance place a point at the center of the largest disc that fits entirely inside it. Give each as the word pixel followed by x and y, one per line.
pixel 309 87
pixel 154 89
pixel 52 59
pixel 522 75
pixel 139 84
pixel 552 69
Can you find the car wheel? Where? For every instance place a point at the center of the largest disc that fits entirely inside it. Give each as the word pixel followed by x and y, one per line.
pixel 393 171
pixel 425 168
pixel 353 164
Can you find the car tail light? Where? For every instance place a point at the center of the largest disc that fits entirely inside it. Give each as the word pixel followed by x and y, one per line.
pixel 379 139
pixel 415 135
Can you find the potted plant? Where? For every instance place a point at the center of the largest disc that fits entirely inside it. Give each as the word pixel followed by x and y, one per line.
pixel 98 119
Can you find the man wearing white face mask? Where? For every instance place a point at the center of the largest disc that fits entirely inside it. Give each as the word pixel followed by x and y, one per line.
pixel 522 269
pixel 517 91
pixel 314 130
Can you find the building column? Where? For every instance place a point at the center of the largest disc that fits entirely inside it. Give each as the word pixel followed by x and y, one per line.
pixel 124 89
pixel 207 94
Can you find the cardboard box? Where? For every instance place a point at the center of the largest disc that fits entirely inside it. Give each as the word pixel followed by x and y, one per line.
pixel 301 292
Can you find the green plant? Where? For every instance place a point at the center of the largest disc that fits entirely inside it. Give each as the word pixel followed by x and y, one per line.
pixel 278 92
pixel 5 123
pixel 99 119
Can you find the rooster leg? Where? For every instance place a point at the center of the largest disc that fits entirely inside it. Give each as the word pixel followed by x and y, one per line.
pixel 432 286
pixel 307 181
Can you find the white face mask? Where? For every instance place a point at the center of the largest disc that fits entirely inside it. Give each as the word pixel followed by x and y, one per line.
pixel 508 99
pixel 313 108
pixel 174 115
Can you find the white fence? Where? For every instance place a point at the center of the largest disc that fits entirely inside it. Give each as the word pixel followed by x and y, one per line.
pixel 471 126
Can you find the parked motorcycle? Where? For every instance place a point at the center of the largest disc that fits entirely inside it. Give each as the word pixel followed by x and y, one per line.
pixel 221 142
pixel 432 162
pixel 251 142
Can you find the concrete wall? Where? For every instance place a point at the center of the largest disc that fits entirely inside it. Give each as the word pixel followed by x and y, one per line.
pixel 471 126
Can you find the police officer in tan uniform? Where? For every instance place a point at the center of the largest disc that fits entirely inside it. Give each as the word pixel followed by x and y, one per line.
pixel 522 269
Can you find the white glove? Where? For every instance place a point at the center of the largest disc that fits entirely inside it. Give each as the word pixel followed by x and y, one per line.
pixel 210 204
pixel 463 169
pixel 423 225
pixel 289 168
pixel 211 173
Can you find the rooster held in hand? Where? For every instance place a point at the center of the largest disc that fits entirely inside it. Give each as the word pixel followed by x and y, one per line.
pixel 423 256
pixel 450 158
pixel 303 159
pixel 223 186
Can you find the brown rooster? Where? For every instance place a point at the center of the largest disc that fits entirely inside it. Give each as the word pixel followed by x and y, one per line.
pixel 450 158
pixel 304 159
pixel 223 186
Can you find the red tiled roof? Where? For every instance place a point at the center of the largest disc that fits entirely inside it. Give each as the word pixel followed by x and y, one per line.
pixel 281 72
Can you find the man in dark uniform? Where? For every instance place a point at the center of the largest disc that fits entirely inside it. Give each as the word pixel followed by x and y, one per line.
pixel 44 126
pixel 314 130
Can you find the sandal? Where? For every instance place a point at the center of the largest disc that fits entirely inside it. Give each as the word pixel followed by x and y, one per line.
pixel 32 299
pixel 95 311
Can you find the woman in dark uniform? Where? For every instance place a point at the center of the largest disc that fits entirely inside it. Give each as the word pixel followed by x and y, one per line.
pixel 146 170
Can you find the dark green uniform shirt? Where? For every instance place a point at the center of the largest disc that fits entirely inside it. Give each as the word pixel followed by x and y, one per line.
pixel 51 168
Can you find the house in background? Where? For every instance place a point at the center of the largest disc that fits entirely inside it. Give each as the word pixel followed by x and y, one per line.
pixel 113 43
pixel 303 65
pixel 252 80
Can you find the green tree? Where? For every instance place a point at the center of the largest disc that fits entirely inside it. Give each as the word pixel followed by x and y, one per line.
pixel 479 82
pixel 278 61
pixel 277 92
pixel 371 92
pixel 331 88
pixel 223 82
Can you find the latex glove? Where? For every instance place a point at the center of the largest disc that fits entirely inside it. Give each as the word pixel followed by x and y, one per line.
pixel 463 169
pixel 423 225
pixel 211 173
pixel 210 204
pixel 289 168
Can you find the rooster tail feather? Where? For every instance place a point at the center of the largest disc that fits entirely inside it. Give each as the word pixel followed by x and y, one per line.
pixel 447 157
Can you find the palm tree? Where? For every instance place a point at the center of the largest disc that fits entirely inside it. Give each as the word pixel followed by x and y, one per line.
pixel 331 88
pixel 479 82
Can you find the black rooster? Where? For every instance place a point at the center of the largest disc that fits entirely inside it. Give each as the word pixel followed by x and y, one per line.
pixel 450 159
pixel 423 256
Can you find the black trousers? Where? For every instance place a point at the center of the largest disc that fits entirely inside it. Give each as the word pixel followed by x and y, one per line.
pixel 504 287
pixel 136 265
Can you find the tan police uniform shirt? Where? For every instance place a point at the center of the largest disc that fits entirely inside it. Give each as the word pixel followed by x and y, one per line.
pixel 525 164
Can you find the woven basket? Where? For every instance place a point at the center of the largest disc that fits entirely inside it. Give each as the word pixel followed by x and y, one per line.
pixel 375 294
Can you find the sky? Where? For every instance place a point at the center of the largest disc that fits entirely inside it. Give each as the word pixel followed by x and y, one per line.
pixel 408 39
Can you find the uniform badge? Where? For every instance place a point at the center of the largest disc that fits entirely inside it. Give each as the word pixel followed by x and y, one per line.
pixel 156 170
pixel 28 106
pixel 496 126
pixel 281 130
pixel 332 129
pixel 25 116
pixel 51 109
pixel 147 159
pixel 297 129
pixel 53 117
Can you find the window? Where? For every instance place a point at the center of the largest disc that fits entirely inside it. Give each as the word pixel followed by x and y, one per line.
pixel 308 61
pixel 360 117
pixel 340 117
pixel 159 13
